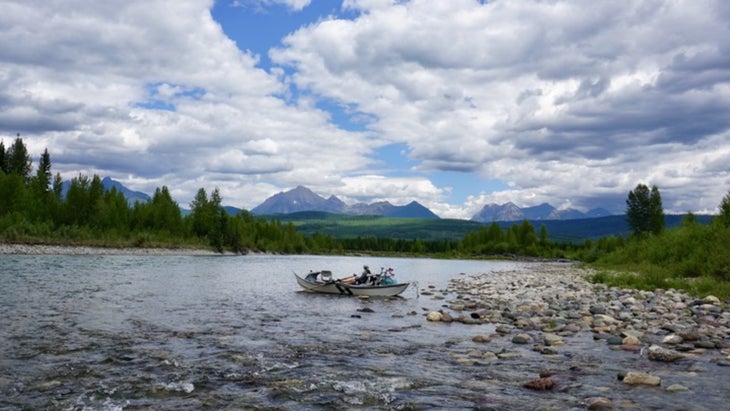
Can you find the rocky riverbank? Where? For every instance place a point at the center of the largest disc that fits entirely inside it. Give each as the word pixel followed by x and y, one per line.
pixel 552 311
pixel 41 249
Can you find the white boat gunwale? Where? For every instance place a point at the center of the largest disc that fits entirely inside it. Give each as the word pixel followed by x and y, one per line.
pixel 336 286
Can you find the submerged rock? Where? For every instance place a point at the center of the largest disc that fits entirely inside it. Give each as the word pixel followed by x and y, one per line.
pixel 657 353
pixel 641 378
pixel 540 384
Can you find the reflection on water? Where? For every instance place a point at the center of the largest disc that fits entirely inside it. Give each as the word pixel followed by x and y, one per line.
pixel 161 332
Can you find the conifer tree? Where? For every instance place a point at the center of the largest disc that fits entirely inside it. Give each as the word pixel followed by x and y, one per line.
pixel 43 174
pixel 724 216
pixel 3 159
pixel 644 210
pixel 18 159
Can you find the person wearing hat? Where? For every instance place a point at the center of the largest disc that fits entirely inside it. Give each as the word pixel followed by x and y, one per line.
pixel 363 279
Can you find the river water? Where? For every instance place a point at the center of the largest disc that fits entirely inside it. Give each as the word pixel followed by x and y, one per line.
pixel 106 332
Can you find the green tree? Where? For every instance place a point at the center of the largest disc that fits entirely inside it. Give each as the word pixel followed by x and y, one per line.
pixel 43 174
pixel 724 216
pixel 58 186
pixel 543 238
pixel 644 210
pixel 166 211
pixel 18 159
pixel 3 159
pixel 43 201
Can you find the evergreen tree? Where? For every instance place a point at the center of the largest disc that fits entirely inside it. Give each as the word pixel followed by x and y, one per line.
pixel 18 159
pixel 724 217
pixel 43 174
pixel 58 186
pixel 3 159
pixel 644 210
pixel 543 239
pixel 165 211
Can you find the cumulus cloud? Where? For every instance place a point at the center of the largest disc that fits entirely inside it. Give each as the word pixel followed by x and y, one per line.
pixel 153 93
pixel 567 102
pixel 570 102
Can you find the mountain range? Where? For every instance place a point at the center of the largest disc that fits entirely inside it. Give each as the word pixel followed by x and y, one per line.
pixel 130 195
pixel 511 212
pixel 303 199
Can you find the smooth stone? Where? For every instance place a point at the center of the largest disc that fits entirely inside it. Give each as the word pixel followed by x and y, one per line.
pixel 540 384
pixel 522 339
pixel 676 388
pixel 434 316
pixel 600 404
pixel 641 378
pixel 631 340
pixel 552 339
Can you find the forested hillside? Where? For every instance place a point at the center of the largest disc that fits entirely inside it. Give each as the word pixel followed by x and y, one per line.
pixel 692 255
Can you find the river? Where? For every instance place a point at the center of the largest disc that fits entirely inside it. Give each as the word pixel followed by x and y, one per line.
pixel 115 332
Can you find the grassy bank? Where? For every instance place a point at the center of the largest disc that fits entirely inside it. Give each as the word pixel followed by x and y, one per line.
pixel 693 257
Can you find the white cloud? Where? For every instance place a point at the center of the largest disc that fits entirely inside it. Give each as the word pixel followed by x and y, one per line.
pixel 153 93
pixel 569 101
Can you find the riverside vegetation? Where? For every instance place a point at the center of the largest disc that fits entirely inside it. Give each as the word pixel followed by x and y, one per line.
pixel 36 209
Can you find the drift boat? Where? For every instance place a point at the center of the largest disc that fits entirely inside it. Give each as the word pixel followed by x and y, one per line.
pixel 322 282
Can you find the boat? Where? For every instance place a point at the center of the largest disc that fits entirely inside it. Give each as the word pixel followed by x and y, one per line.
pixel 322 282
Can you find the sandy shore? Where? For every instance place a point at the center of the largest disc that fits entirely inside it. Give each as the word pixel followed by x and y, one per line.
pixel 26 249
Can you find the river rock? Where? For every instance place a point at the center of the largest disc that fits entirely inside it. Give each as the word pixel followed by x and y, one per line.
pixel 599 404
pixel 552 339
pixel 641 378
pixel 481 339
pixel 657 353
pixel 434 316
pixel 522 339
pixel 631 340
pixel 711 299
pixel 540 384
pixel 676 388
pixel 672 339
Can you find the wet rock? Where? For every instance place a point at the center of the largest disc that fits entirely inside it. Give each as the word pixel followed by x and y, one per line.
pixel 641 378
pixel 630 347
pixel 657 353
pixel 676 388
pixel 540 384
pixel 522 339
pixel 672 339
pixel 614 340
pixel 631 340
pixel 552 339
pixel 434 316
pixel 597 309
pixel 481 339
pixel 599 404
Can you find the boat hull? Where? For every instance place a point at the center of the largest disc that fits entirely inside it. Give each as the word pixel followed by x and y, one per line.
pixel 338 287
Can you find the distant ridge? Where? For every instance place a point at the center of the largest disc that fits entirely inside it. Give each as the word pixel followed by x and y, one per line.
pixel 129 195
pixel 510 212
pixel 303 199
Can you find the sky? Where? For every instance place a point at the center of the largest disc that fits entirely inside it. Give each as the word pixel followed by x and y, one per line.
pixel 454 104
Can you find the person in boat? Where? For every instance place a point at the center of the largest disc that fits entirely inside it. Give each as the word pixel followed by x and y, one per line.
pixel 363 279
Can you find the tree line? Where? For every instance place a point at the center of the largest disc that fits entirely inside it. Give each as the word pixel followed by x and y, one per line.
pixel 37 207
pixel 40 207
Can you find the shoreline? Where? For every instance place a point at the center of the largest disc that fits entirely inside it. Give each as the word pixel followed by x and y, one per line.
pixel 44 249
